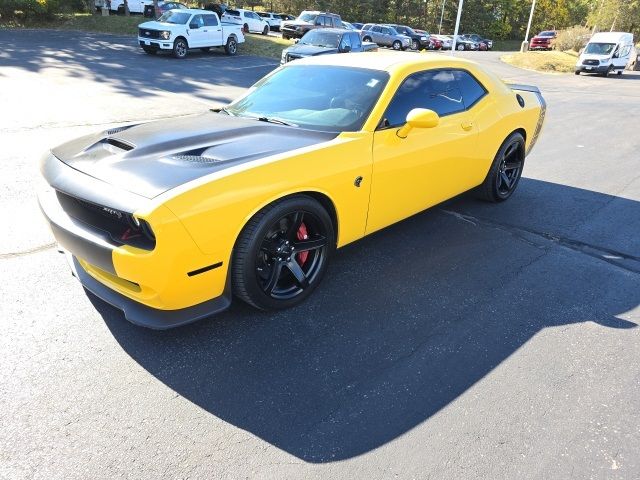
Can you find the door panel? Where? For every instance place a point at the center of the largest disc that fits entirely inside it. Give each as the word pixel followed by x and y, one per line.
pixel 417 172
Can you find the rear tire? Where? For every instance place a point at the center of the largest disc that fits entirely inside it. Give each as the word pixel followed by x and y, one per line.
pixel 231 48
pixel 265 31
pixel 366 39
pixel 245 28
pixel 180 48
pixel 505 172
pixel 274 265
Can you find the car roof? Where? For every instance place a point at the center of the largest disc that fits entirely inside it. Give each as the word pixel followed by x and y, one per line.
pixel 611 37
pixel 385 61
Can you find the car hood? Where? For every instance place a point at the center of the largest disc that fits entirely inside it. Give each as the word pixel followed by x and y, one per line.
pixel 297 23
pixel 153 25
pixel 151 158
pixel 309 50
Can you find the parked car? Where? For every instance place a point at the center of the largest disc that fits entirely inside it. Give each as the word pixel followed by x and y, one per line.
pixel 149 11
pixel 286 17
pixel 434 42
pixel 445 40
pixel 474 37
pixel 385 36
pixel 463 43
pixel 272 19
pixel 349 26
pixel 543 41
pixel 251 22
pixel 167 220
pixel 418 40
pixel 358 25
pixel 309 20
pixel 135 6
pixel 180 30
pixel 606 52
pixel 324 41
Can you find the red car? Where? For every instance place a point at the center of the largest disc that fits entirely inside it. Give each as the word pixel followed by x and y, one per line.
pixel 435 43
pixel 542 41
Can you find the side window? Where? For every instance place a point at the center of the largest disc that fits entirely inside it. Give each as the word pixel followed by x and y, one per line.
pixel 328 22
pixel 210 21
pixel 356 43
pixel 345 42
pixel 197 20
pixel 384 31
pixel 471 89
pixel 436 90
pixel 625 50
pixel 320 20
pixel 376 29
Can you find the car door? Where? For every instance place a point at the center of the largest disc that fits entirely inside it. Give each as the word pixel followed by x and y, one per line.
pixel 429 165
pixel 196 32
pixel 213 31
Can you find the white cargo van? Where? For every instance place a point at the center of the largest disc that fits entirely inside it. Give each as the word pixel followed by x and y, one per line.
pixel 606 52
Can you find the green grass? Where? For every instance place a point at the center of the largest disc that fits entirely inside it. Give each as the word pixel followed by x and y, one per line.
pixel 260 45
pixel 552 61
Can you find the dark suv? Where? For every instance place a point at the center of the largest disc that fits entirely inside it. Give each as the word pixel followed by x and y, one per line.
pixel 418 41
pixel 308 20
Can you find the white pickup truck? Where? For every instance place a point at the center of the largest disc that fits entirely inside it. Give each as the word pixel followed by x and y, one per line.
pixel 180 30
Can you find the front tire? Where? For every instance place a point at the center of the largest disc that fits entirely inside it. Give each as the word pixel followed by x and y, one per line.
pixel 506 170
pixel 231 48
pixel 397 45
pixel 414 45
pixel 460 47
pixel 265 31
pixel 180 48
pixel 282 253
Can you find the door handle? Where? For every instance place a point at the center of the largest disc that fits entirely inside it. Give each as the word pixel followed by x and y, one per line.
pixel 466 126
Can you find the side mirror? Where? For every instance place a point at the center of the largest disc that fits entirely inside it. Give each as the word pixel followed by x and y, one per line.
pixel 346 49
pixel 194 26
pixel 418 118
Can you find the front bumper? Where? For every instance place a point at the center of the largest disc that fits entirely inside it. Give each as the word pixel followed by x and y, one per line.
pixel 143 315
pixel 592 68
pixel 155 43
pixel 293 32
pixel 172 284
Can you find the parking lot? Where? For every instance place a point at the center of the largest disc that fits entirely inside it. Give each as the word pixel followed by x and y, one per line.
pixel 469 341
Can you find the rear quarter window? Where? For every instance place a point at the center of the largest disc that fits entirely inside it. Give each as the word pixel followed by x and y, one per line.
pixel 472 90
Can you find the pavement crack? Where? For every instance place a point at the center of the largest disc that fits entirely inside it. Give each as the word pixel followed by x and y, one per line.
pixel 622 260
pixel 30 251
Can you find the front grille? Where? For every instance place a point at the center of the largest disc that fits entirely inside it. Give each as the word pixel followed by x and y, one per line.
pixel 116 226
pixel 590 62
pixel 146 33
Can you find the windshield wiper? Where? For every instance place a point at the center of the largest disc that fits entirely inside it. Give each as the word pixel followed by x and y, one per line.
pixel 275 120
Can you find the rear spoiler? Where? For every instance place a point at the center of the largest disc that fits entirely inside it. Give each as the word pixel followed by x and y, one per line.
pixel 524 88
pixel 543 108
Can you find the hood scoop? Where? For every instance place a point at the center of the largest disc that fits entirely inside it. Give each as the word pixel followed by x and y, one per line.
pixel 114 142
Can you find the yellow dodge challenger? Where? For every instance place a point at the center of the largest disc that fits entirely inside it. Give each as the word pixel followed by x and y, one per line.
pixel 167 220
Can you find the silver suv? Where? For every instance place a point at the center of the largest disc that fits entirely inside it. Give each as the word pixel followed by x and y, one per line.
pixel 385 36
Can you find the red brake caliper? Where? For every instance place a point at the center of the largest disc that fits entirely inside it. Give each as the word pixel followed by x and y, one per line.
pixel 302 234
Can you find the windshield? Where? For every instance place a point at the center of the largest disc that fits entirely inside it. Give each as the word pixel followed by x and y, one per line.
pixel 177 18
pixel 406 30
pixel 546 34
pixel 321 38
pixel 302 96
pixel 599 48
pixel 308 17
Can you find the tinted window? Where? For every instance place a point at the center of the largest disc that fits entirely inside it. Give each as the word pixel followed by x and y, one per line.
pixel 355 40
pixel 264 15
pixel 235 13
pixel 471 89
pixel 376 28
pixel 345 42
pixel 210 20
pixel 366 26
pixel 197 20
pixel 320 20
pixel 328 22
pixel 436 90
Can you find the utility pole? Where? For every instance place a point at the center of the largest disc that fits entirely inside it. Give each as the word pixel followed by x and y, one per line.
pixel 441 17
pixel 455 33
pixel 525 45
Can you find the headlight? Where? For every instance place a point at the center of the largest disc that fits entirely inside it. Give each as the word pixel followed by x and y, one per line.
pixel 165 35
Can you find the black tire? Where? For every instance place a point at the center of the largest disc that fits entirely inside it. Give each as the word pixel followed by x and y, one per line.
pixel 245 28
pixel 205 49
pixel 608 72
pixel 396 45
pixel 284 36
pixel 460 47
pixel 265 31
pixel 505 172
pixel 619 72
pixel 150 50
pixel 366 39
pixel 577 72
pixel 268 269
pixel 231 48
pixel 414 45
pixel 180 48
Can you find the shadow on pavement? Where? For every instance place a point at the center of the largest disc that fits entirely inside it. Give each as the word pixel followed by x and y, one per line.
pixel 405 322
pixel 121 63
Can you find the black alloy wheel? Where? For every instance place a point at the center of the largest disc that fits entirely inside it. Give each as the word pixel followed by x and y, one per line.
pixel 282 253
pixel 506 170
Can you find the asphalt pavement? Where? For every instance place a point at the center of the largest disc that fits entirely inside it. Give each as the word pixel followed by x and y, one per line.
pixel 469 341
